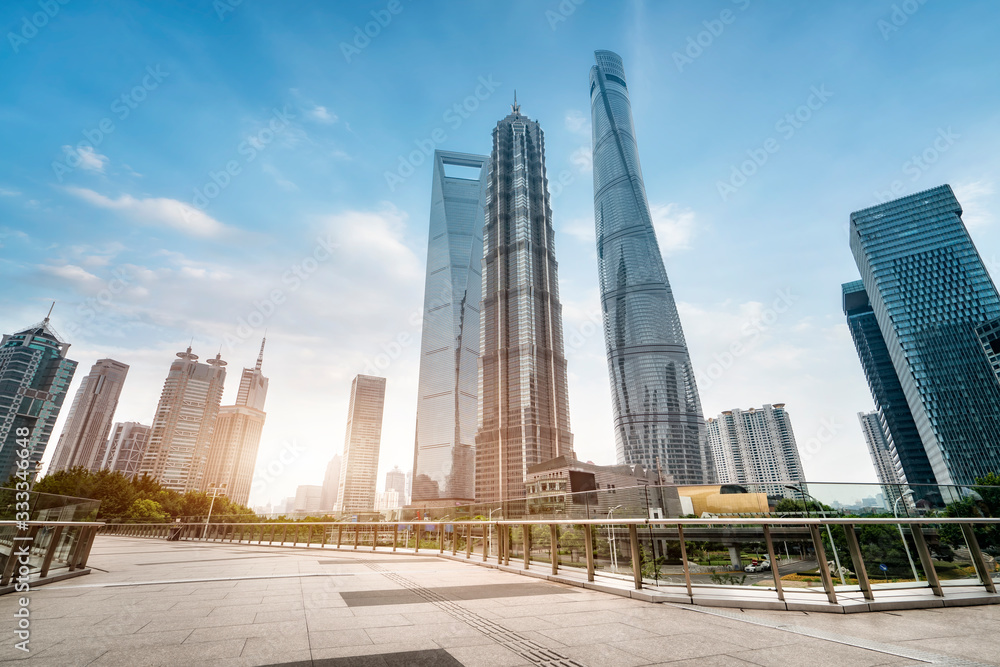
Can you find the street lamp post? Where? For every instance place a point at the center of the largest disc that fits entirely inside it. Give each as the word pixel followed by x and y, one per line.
pixel 913 567
pixel 611 540
pixel 215 490
pixel 829 532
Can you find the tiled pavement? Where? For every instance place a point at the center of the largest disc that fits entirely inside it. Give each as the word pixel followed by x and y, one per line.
pixel 166 603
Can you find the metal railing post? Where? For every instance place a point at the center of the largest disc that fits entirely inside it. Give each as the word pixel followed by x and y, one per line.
pixel 925 559
pixel 51 550
pixel 416 537
pixel 356 534
pixel 774 565
pixel 824 566
pixel 859 562
pixel 684 559
pixel 486 544
pixel 340 533
pixel 633 538
pixel 454 539
pixel 395 536
pixel 468 541
pixel 588 546
pixel 526 530
pixel 554 547
pixel 985 576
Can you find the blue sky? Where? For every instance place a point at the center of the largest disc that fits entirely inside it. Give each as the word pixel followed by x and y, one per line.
pixel 308 237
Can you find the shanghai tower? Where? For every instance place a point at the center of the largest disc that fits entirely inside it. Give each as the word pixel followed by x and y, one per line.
pixel 657 411
pixel 523 395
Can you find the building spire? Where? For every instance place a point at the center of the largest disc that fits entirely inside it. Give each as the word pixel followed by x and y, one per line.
pixel 50 312
pixel 260 357
pixel 515 107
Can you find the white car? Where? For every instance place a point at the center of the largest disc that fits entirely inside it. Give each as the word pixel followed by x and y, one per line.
pixel 758 566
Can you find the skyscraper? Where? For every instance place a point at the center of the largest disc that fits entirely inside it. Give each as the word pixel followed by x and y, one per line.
pixel 90 417
pixel 930 292
pixel 184 422
pixel 331 484
pixel 124 450
pixel 444 448
pixel 657 411
pixel 34 378
pixel 395 480
pixel 884 457
pixel 909 459
pixel 756 447
pixel 524 402
pixel 359 468
pixel 236 436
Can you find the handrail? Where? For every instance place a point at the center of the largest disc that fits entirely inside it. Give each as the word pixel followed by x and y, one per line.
pixel 804 521
pixel 32 551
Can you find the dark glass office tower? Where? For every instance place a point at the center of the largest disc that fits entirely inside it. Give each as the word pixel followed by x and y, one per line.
pixel 524 404
pixel 909 458
pixel 657 411
pixel 34 377
pixel 444 457
pixel 931 296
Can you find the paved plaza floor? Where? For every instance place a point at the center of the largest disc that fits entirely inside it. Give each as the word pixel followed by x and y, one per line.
pixel 152 602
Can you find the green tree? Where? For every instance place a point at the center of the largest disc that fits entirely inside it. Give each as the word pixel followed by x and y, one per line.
pixel 984 503
pixel 144 509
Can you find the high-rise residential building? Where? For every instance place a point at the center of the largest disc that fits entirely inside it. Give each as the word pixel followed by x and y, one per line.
pixel 308 498
pixel 524 399
pixel 444 456
pixel 124 450
pixel 884 457
pixel 909 459
pixel 331 484
pixel 657 411
pixel 395 480
pixel 756 447
pixel 359 468
pixel 90 417
pixel 184 423
pixel 34 378
pixel 236 437
pixel 933 300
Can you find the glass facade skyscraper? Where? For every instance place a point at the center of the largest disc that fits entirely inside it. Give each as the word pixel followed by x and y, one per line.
pixel 444 449
pixel 524 398
pixel 657 411
pixel 34 378
pixel 931 296
pixel 236 437
pixel 88 425
pixel 181 436
pixel 359 468
pixel 909 458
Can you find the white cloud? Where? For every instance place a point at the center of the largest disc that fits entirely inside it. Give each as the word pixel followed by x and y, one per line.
pixel 581 229
pixel 322 114
pixel 282 182
pixel 583 159
pixel 87 157
pixel 577 123
pixel 7 192
pixel 160 211
pixel 70 272
pixel 674 227
pixel 975 199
